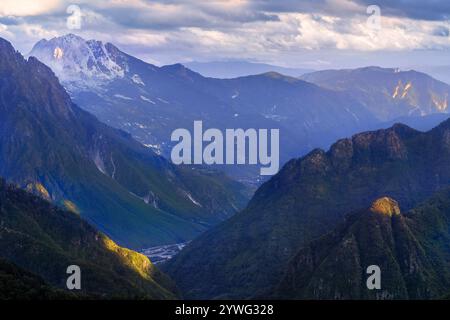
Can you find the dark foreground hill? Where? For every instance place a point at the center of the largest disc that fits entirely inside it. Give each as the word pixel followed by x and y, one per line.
pixel 18 284
pixel 411 249
pixel 38 242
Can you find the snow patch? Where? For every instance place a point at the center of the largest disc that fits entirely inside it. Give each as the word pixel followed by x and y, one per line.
pixel 163 101
pixel 147 100
pixel 137 79
pixel 155 147
pixel 140 125
pixel 120 96
pixel 192 199
pixel 114 168
pixel 99 162
pixel 274 117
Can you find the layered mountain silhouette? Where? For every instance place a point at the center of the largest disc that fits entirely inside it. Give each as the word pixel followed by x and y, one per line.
pixel 308 198
pixel 39 241
pixel 236 68
pixel 53 148
pixel 150 102
pixel 388 93
pixel 412 251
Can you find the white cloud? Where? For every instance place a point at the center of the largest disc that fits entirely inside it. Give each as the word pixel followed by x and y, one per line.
pixel 28 7
pixel 185 30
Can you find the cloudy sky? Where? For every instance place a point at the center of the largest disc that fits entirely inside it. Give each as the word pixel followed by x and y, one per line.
pixel 314 34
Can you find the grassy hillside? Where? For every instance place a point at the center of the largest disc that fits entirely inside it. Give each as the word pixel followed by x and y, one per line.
pixel 44 240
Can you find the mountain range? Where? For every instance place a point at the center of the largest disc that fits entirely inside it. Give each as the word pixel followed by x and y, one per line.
pixel 386 92
pixel 53 148
pixel 235 69
pixel 309 197
pixel 150 102
pixel 312 110
pixel 378 198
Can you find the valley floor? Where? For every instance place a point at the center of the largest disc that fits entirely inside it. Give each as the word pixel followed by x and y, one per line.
pixel 160 254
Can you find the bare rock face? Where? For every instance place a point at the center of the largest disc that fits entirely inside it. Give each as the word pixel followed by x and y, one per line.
pixel 386 206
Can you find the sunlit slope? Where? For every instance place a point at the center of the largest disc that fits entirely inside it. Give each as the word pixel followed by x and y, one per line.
pixel 44 240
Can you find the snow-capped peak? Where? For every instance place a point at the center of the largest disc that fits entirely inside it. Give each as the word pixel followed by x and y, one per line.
pixel 77 61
